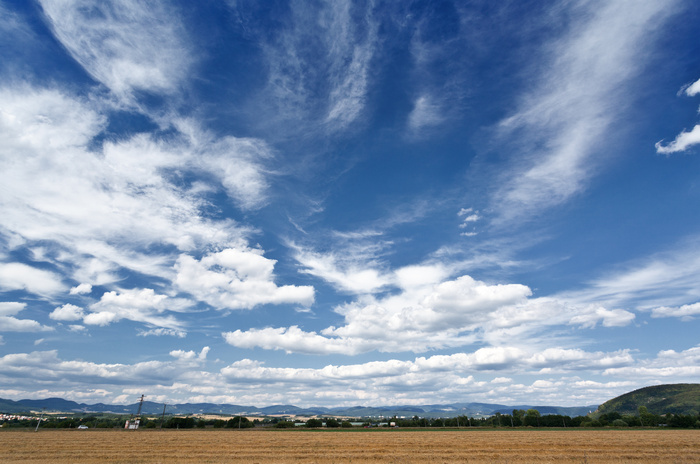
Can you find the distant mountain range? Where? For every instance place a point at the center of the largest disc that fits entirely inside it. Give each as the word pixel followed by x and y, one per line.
pixel 151 408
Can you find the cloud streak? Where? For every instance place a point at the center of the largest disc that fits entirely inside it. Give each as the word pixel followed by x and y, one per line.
pixel 123 44
pixel 563 121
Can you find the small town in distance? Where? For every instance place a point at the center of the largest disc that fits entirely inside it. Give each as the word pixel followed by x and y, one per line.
pixel 673 406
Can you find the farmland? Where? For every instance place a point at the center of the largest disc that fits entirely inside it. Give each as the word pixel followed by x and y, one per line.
pixel 357 446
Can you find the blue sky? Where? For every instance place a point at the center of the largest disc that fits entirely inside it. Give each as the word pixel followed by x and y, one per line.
pixel 340 203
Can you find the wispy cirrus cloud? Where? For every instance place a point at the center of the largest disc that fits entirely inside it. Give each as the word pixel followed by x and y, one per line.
pixel 124 44
pixel 437 75
pixel 319 63
pixel 663 280
pixel 561 122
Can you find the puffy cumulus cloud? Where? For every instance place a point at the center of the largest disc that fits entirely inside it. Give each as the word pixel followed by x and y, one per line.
pixel 237 278
pixel 426 314
pixel 67 312
pixel 81 289
pixel 140 305
pixel 190 355
pixel 667 364
pixel 124 44
pixel 19 276
pixel 682 142
pixel 686 312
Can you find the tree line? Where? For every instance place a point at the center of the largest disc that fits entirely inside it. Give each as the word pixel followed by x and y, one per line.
pixel 519 418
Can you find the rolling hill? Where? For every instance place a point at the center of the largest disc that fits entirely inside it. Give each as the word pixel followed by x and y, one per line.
pixel 659 399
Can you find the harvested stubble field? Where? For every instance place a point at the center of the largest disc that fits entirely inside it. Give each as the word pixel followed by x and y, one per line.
pixel 378 446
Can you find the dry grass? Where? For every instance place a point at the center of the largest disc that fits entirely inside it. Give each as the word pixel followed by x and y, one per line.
pixel 385 446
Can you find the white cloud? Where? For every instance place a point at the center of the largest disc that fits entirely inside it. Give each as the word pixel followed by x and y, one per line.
pixel 118 207
pixel 237 279
pixel 47 367
pixel 471 218
pixel 11 308
pixel 67 312
pixel 81 289
pixel 667 364
pixel 190 355
pixel 426 314
pixel 484 375
pixel 502 380
pixel 683 141
pixel 320 47
pixel 140 305
pixel 686 312
pixel 590 316
pixel 560 125
pixel 577 359
pixel 12 324
pixel 426 113
pixel 345 273
pixel 664 279
pixel 349 71
pixel 19 276
pixel 161 331
pixel 124 44
pixel 9 323
pixel 693 89
pixel 295 340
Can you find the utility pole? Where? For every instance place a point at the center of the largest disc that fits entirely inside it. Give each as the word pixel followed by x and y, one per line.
pixel 40 419
pixel 162 418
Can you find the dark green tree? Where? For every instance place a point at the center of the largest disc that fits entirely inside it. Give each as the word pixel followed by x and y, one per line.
pixel 314 423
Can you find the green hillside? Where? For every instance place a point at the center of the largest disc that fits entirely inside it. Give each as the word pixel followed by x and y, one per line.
pixel 679 398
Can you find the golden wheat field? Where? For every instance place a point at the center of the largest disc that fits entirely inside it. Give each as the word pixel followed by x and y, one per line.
pixel 380 446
